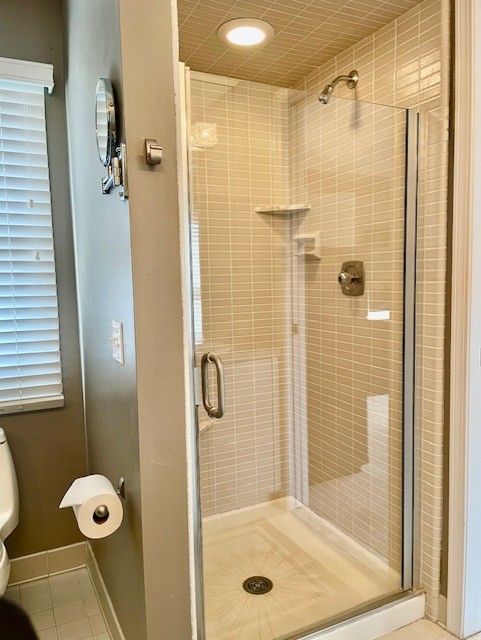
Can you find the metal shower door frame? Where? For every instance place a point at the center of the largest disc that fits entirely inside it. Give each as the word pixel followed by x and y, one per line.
pixel 409 342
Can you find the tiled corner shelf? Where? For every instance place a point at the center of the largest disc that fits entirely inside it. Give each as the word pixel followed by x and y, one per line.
pixel 283 210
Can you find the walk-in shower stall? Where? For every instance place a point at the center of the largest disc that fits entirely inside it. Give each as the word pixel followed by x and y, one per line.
pixel 303 230
pixel 316 164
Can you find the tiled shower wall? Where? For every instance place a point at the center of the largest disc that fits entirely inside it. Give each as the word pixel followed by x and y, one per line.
pixel 405 64
pixel 240 162
pixel 348 162
pixel 350 473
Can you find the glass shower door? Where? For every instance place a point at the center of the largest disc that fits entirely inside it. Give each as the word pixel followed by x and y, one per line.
pixel 302 243
pixel 353 338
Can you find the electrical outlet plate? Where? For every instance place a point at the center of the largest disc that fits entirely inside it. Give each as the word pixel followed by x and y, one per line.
pixel 118 341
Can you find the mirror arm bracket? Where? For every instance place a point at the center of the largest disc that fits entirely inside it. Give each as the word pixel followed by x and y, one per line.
pixel 122 170
pixel 107 183
pixel 117 173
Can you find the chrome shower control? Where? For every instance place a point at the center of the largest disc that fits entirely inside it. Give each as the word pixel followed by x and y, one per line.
pixel 346 278
pixel 351 278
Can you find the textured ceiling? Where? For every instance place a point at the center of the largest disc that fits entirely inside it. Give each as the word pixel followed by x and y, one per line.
pixel 308 33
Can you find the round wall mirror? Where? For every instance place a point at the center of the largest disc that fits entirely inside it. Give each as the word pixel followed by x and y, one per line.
pixel 105 121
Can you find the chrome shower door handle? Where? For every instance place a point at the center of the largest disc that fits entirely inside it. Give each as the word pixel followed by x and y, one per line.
pixel 207 359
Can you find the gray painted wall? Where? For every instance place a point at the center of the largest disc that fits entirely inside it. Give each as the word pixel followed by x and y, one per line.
pixel 150 65
pixel 48 446
pixel 128 263
pixel 104 279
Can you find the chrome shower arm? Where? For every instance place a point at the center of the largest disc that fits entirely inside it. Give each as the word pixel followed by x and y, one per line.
pixel 348 79
pixel 351 80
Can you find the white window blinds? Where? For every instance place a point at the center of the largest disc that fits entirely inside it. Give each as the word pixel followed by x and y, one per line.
pixel 30 370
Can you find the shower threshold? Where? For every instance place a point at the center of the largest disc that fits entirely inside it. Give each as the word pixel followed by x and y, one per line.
pixel 317 573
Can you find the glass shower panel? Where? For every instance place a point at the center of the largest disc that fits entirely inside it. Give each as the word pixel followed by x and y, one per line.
pixel 301 478
pixel 348 358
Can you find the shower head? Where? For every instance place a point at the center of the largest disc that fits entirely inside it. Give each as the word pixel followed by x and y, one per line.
pixel 351 80
pixel 325 96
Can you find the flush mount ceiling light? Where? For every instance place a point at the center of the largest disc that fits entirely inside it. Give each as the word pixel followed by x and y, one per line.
pixel 246 32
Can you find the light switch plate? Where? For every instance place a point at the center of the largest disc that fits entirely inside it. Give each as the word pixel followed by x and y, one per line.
pixel 118 341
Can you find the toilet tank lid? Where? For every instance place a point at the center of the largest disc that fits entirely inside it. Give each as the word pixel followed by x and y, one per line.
pixel 3 437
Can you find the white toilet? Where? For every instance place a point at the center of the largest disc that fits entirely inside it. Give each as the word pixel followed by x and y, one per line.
pixel 8 506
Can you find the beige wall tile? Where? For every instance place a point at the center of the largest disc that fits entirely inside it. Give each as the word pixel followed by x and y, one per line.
pixel 242 257
pixel 404 64
pixel 338 447
pixel 28 567
pixel 66 558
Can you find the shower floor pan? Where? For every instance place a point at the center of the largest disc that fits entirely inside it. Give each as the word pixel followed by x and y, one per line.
pixel 314 575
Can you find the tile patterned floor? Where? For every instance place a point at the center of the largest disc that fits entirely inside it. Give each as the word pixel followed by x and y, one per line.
pixel 420 630
pixel 62 607
pixel 65 607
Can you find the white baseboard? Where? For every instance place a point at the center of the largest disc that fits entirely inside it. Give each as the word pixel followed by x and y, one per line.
pixel 103 596
pixel 378 623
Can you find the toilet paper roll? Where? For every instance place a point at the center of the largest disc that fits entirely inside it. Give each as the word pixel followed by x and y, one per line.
pixel 96 506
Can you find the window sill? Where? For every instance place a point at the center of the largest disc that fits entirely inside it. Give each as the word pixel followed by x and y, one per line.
pixel 34 404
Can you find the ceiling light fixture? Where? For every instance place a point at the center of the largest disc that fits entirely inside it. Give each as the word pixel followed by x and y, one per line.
pixel 246 32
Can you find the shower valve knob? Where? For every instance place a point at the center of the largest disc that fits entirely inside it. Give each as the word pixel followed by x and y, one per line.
pixel 351 278
pixel 345 278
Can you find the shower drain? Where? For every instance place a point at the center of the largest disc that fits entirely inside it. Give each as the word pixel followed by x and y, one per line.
pixel 257 585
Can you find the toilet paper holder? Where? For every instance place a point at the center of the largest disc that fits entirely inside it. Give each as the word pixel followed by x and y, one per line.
pixel 101 513
pixel 121 488
pixel 96 504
